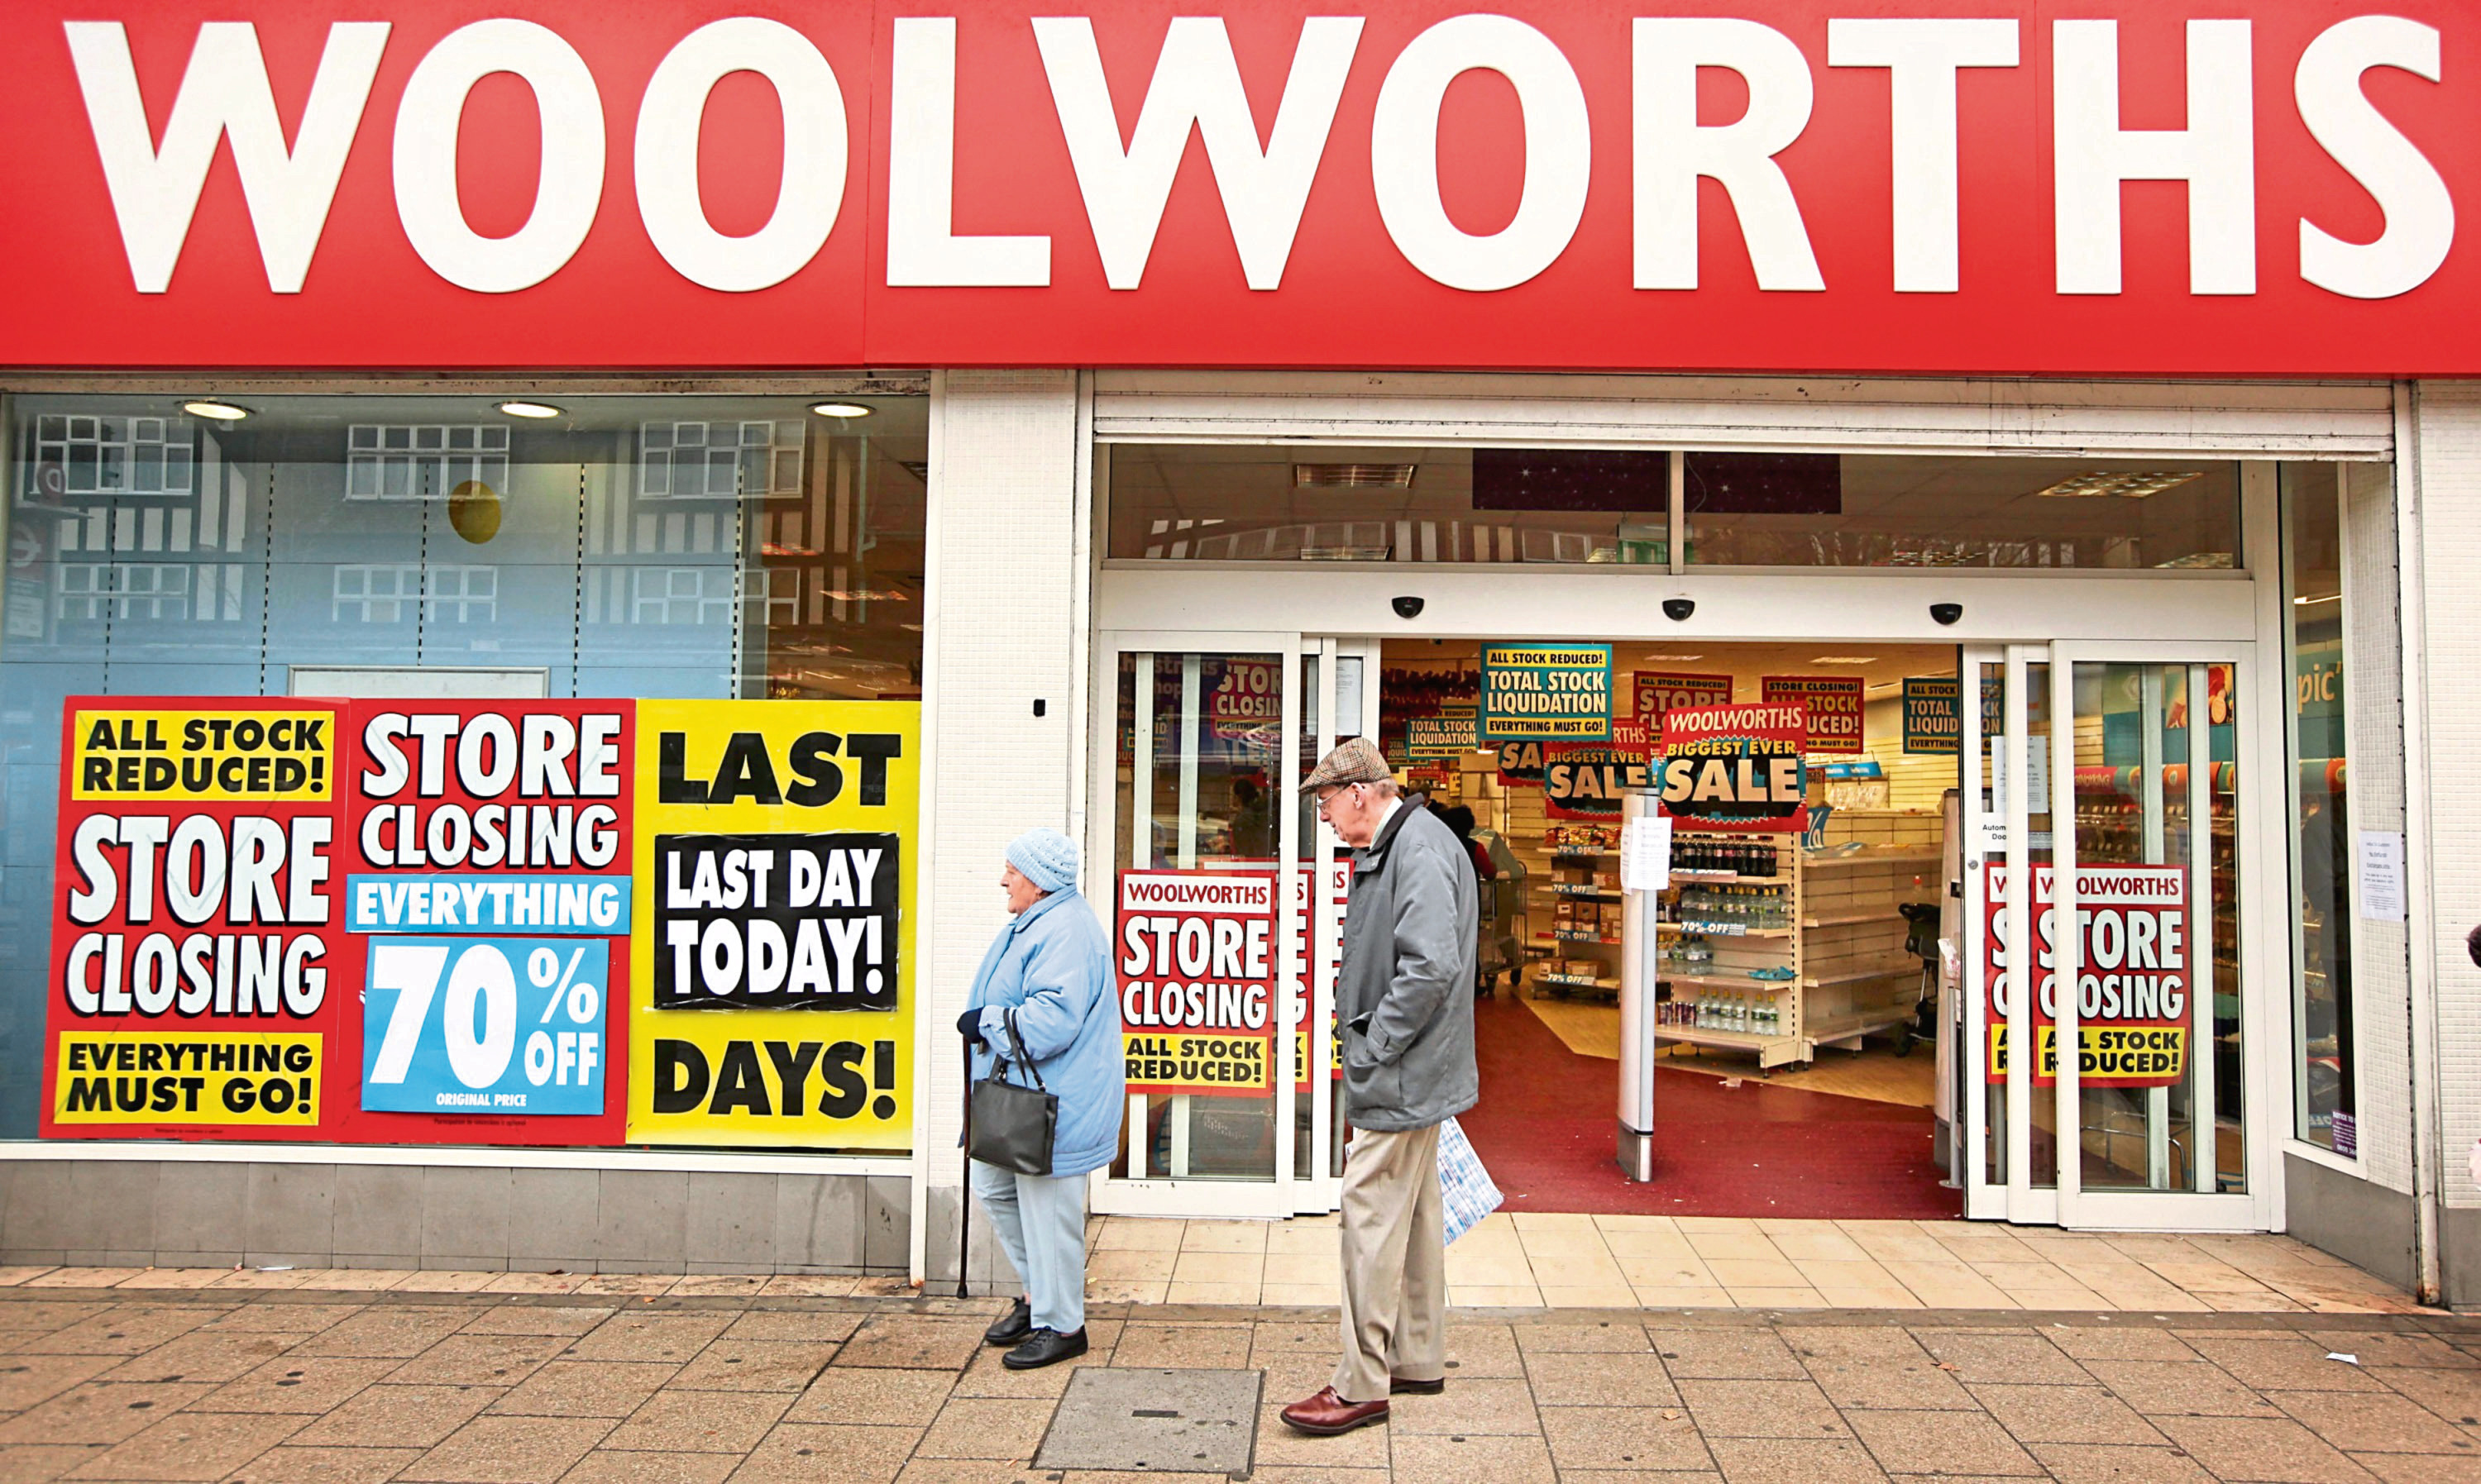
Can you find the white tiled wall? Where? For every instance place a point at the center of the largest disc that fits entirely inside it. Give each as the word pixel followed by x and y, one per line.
pixel 1005 513
pixel 2448 463
pixel 2374 698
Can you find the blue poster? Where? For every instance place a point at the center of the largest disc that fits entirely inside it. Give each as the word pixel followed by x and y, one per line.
pixel 509 1026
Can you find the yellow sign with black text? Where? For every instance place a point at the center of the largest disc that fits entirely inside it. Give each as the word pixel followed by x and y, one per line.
pixel 772 964
pixel 1209 1063
pixel 2107 1056
pixel 196 755
pixel 202 1079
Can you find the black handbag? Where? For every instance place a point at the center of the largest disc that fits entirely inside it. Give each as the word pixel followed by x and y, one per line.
pixel 1008 1127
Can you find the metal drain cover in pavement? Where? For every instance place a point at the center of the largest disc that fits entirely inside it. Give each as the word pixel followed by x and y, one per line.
pixel 1161 1421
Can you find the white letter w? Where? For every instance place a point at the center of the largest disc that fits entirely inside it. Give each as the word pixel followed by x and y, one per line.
pixel 223 93
pixel 1197 80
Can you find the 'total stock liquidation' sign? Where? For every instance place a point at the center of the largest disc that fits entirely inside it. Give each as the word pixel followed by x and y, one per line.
pixel 2134 991
pixel 1933 714
pixel 197 952
pixel 1548 693
pixel 771 887
pixel 1194 963
pixel 1735 768
pixel 1834 704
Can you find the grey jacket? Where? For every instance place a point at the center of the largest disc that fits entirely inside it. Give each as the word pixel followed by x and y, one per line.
pixel 1404 995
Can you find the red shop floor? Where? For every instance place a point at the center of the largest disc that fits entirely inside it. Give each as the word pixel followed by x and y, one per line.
pixel 1547 1118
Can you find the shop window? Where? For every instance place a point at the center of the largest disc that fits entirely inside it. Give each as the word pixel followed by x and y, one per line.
pixel 2326 1103
pixel 1561 506
pixel 649 547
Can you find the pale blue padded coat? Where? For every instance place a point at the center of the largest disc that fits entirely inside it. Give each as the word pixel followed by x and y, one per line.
pixel 1052 966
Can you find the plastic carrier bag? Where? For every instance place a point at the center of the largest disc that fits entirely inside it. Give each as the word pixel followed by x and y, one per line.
pixel 1466 1193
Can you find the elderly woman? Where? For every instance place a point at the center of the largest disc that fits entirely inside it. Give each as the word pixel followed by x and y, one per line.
pixel 1050 973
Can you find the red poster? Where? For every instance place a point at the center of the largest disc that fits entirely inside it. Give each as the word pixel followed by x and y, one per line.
pixel 1248 701
pixel 199 959
pixel 1194 961
pixel 1659 691
pixel 2133 972
pixel 1834 704
pixel 486 877
pixel 1735 768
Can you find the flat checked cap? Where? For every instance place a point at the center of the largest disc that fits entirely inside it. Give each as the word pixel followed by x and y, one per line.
pixel 1357 761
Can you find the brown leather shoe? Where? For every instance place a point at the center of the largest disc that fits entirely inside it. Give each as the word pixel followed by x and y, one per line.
pixel 1327 1414
pixel 1406 1386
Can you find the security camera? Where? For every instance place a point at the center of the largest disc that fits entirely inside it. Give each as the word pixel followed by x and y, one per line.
pixel 1947 613
pixel 1678 609
pixel 1407 607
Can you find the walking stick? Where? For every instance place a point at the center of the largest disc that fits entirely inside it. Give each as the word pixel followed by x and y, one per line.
pixel 965 1189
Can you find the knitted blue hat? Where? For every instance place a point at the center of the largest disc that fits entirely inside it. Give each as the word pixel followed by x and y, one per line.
pixel 1045 857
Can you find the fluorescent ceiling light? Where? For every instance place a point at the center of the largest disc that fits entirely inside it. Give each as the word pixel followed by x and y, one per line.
pixel 1671 659
pixel 839 409
pixel 2217 560
pixel 2124 486
pixel 1846 660
pixel 2332 597
pixel 528 409
pixel 220 411
pixel 1353 476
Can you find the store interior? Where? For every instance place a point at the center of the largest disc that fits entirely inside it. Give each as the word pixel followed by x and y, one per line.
pixel 1796 999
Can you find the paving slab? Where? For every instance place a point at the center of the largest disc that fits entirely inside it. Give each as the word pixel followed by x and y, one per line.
pixel 1155 1419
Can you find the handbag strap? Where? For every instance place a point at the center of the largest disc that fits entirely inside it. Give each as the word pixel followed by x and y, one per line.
pixel 1022 1059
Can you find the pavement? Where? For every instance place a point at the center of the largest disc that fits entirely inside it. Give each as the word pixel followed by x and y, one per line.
pixel 312 1383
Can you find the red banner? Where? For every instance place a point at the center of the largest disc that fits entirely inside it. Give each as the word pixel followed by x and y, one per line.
pixel 1779 186
pixel 1735 768
pixel 2136 1008
pixel 1833 703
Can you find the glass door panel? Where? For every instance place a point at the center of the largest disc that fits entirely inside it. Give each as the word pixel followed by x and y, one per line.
pixel 1204 767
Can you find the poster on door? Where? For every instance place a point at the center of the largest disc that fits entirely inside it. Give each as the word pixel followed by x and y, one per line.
pixel 1735 768
pixel 1590 780
pixel 1833 703
pixel 1546 692
pixel 1335 887
pixel 1193 963
pixel 1655 691
pixel 198 953
pixel 1247 701
pixel 770 970
pixel 2134 992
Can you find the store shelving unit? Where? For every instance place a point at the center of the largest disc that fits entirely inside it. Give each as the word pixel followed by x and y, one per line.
pixel 1583 918
pixel 1762 1017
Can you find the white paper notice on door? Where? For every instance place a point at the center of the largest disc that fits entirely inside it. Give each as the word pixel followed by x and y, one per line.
pixel 2381 855
pixel 1645 853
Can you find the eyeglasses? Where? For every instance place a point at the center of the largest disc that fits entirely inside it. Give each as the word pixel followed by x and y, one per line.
pixel 1330 796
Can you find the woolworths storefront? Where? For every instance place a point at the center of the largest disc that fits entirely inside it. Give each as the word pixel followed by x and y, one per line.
pixel 547 554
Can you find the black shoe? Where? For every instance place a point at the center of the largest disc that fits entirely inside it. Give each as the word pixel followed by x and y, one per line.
pixel 1398 1386
pixel 1045 1347
pixel 1011 1327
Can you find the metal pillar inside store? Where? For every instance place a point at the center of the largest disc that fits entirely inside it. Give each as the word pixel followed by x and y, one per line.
pixel 1637 972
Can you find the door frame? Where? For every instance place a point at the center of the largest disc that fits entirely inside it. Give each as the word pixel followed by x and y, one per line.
pixel 2258 861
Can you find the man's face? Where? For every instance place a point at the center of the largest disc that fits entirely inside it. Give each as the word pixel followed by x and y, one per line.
pixel 1352 810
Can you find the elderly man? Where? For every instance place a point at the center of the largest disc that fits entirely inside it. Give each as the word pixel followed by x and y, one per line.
pixel 1404 1007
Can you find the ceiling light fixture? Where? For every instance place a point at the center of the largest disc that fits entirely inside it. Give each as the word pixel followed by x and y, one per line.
pixel 220 411
pixel 846 409
pixel 530 409
pixel 1671 659
pixel 2332 597
pixel 1353 476
pixel 1846 660
pixel 2124 486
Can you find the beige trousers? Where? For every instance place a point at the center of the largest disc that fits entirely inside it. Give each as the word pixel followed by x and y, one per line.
pixel 1395 1264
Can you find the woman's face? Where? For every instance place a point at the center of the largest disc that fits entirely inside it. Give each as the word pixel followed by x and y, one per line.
pixel 1021 893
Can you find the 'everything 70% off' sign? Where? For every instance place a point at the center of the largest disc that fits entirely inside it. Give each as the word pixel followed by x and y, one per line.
pixel 442 1019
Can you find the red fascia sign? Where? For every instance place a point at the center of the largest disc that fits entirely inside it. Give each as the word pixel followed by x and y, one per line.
pixel 2198 187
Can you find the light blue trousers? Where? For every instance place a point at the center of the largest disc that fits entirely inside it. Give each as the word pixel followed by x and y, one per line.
pixel 1040 1221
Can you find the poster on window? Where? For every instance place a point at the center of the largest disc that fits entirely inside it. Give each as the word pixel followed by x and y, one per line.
pixel 1655 691
pixel 199 953
pixel 1246 701
pixel 1193 962
pixel 771 968
pixel 1590 780
pixel 488 884
pixel 1545 691
pixel 2134 1008
pixel 1735 768
pixel 1450 733
pixel 1833 703
pixel 1335 889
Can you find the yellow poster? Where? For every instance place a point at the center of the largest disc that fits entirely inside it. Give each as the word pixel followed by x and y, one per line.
pixel 194 755
pixel 771 966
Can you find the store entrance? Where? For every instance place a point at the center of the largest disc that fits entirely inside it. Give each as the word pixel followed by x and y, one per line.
pixel 1796 980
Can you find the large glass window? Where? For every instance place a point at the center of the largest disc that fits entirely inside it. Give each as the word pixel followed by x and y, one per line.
pixel 2324 1094
pixel 1220 503
pixel 605 546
